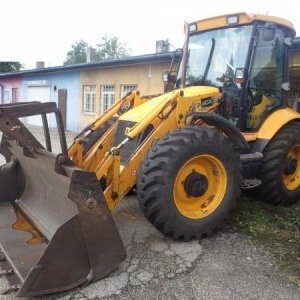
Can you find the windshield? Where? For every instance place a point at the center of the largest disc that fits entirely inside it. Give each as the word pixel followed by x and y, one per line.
pixel 215 55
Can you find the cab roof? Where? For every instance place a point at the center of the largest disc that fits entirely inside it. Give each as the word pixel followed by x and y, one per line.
pixel 242 18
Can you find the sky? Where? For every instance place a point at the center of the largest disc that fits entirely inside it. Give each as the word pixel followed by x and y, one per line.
pixel 44 30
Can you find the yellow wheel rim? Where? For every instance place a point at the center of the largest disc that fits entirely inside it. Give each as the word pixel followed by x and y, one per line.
pixel 205 174
pixel 291 172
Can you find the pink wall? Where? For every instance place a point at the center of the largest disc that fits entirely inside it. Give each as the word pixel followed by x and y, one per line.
pixel 6 86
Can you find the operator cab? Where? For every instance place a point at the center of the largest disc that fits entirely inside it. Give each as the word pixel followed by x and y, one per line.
pixel 246 57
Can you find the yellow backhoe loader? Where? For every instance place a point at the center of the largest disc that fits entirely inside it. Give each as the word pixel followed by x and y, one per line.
pixel 227 125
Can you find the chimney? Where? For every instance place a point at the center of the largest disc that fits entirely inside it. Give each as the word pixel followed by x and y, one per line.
pixel 162 46
pixel 39 64
pixel 90 54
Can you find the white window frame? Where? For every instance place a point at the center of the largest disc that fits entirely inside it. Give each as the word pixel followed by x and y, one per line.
pixel 126 88
pixel 89 99
pixel 14 95
pixel 108 94
pixel 6 96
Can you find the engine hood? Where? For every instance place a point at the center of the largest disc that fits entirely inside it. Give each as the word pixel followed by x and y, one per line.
pixel 138 113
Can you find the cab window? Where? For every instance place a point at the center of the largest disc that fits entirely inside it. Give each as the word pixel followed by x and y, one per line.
pixel 266 75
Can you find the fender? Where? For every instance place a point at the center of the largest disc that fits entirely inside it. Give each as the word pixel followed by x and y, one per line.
pixel 272 125
pixel 225 126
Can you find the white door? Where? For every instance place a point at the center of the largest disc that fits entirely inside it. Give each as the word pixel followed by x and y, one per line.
pixel 41 94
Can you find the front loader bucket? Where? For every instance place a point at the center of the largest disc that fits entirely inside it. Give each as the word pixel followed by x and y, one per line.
pixel 56 231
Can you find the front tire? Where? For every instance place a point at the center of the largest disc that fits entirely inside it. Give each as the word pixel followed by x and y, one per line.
pixel 280 172
pixel 189 182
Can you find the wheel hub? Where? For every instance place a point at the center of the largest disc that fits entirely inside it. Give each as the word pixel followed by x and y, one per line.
pixel 195 184
pixel 290 166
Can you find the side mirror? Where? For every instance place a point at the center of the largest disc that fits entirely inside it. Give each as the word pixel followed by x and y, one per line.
pixel 166 77
pixel 286 86
pixel 169 81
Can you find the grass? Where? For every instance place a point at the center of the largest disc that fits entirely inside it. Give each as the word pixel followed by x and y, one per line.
pixel 275 227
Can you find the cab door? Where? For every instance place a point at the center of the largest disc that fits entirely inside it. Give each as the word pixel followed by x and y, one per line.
pixel 267 74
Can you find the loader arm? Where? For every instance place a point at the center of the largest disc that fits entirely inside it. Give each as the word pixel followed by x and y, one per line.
pixel 121 162
pixel 92 140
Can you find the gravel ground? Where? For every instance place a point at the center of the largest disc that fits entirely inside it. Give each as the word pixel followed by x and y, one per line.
pixel 225 266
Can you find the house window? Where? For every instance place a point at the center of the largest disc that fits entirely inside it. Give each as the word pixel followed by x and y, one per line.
pixel 89 96
pixel 14 95
pixel 126 88
pixel 6 96
pixel 108 97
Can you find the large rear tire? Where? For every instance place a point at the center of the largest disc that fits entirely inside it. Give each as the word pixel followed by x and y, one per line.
pixel 280 172
pixel 189 182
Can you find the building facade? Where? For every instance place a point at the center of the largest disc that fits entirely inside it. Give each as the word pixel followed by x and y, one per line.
pixel 62 88
pixel 11 89
pixel 85 91
pixel 101 87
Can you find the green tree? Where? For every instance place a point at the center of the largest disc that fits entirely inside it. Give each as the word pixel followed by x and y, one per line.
pixel 10 66
pixel 111 47
pixel 77 54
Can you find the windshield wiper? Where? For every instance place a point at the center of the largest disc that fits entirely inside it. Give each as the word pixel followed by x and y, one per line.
pixel 203 80
pixel 211 52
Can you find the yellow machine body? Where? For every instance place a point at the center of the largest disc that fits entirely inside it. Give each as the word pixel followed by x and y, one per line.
pixel 165 113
